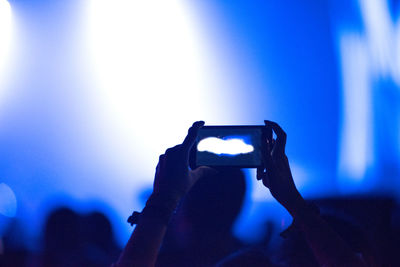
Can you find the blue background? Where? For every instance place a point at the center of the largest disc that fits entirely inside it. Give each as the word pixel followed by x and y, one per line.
pixel 277 60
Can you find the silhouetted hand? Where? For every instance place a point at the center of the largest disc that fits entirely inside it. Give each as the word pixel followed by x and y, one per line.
pixel 172 172
pixel 172 180
pixel 276 174
pixel 328 247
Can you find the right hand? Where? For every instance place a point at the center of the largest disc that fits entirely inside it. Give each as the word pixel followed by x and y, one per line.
pixel 275 173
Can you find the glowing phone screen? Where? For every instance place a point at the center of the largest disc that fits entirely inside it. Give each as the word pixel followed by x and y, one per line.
pixel 238 146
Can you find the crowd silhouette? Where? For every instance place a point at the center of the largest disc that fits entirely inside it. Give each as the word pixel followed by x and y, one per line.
pixel 189 217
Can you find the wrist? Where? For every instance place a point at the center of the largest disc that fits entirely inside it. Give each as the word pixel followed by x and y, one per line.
pixel 167 201
pixel 295 204
pixel 156 214
pixel 159 207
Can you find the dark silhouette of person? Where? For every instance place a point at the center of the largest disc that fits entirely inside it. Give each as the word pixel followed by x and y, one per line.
pixel 13 248
pixel 97 240
pixel 200 233
pixel 71 239
pixel 62 239
pixel 173 181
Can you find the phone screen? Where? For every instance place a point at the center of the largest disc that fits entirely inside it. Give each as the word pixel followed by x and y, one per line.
pixel 236 146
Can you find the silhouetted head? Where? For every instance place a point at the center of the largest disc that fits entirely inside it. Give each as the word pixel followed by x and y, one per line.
pixel 200 233
pixel 215 201
pixel 75 240
pixel 98 243
pixel 97 230
pixel 62 230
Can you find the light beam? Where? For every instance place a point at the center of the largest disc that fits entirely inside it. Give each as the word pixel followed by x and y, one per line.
pixel 5 38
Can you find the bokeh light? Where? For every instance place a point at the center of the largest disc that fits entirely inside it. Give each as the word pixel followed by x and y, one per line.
pixel 8 201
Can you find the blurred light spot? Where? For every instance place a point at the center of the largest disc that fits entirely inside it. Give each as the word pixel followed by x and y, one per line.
pixel 224 146
pixel 356 116
pixel 365 59
pixel 380 38
pixel 5 36
pixel 8 201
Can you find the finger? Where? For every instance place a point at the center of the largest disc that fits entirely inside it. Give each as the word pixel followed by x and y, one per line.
pixel 266 140
pixel 283 163
pixel 280 136
pixel 172 150
pixel 260 174
pixel 267 159
pixel 160 164
pixel 271 145
pixel 191 136
pixel 161 160
pixel 266 180
pixel 267 132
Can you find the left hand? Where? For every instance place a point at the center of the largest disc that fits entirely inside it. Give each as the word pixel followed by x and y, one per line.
pixel 172 172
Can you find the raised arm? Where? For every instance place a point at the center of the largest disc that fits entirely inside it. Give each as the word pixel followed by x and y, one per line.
pixel 172 180
pixel 328 247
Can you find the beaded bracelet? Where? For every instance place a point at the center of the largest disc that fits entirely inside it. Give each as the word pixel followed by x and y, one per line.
pixel 158 206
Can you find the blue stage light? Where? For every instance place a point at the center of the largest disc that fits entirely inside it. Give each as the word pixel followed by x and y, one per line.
pixel 150 68
pixel 5 37
pixel 370 66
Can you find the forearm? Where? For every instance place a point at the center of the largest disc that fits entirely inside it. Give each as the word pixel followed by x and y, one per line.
pixel 144 244
pixel 328 247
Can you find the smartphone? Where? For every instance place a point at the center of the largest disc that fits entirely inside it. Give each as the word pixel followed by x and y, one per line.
pixel 228 146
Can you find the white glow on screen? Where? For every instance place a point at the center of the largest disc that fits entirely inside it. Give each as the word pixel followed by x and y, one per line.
pixel 219 146
pixel 366 59
pixel 5 36
pixel 8 201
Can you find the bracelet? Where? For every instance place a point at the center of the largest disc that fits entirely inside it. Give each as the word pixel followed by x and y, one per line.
pixel 159 206
pixel 156 213
pixel 134 218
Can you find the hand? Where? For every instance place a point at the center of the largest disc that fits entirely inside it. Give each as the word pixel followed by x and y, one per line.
pixel 277 177
pixel 172 173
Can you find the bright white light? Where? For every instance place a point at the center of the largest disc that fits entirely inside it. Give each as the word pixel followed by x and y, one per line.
pixel 5 36
pixel 219 146
pixel 149 66
pixel 8 201
pixel 152 79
